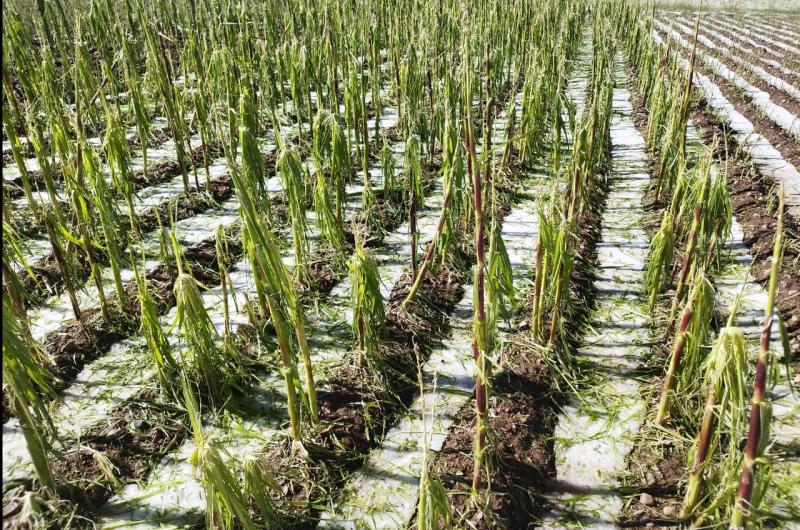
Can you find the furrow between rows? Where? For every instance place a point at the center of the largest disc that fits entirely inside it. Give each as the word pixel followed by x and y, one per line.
pixel 595 431
pixel 776 82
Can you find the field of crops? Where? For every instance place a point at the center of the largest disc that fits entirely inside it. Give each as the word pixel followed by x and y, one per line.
pixel 498 264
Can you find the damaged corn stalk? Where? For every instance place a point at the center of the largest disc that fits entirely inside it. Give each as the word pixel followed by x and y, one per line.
pixel 367 304
pixel 754 478
pixel 278 299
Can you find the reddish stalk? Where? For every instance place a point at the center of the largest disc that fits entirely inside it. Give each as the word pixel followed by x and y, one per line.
pixel 755 443
pixel 479 319
pixel 693 489
pixel 690 251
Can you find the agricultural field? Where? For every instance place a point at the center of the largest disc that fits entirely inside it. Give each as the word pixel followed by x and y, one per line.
pixel 305 264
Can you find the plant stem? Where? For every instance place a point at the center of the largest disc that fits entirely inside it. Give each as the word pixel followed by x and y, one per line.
pixel 479 320
pixel 63 268
pixel 675 360
pixel 280 325
pixel 759 408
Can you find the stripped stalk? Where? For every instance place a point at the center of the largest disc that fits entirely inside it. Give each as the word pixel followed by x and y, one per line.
pixel 479 342
pixel 682 336
pixel 760 408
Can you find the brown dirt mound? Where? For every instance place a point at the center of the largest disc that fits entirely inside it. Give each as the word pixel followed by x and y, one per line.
pixel 521 448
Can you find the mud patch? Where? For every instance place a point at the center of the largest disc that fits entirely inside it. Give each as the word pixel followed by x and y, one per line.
pixel 136 436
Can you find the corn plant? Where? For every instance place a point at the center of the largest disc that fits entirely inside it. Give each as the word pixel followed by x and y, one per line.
pixel 226 285
pixel 202 122
pixel 109 222
pixel 116 148
pixel 252 164
pixel 166 253
pixel 157 343
pixel 226 507
pixel 14 252
pixel 415 195
pixel 694 235
pixel 367 303
pixel 388 170
pixel 561 263
pixel 725 370
pixel 292 176
pixel 688 342
pixel 81 208
pixel 171 100
pixel 278 299
pixel 454 183
pixel 63 266
pixel 16 150
pixel 327 222
pixel 42 156
pixel 341 169
pixel 662 248
pixel 28 384
pixel 480 339
pixel 499 280
pixel 544 249
pixel 750 491
pixel 218 369
pixel 138 101
pixel 80 196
